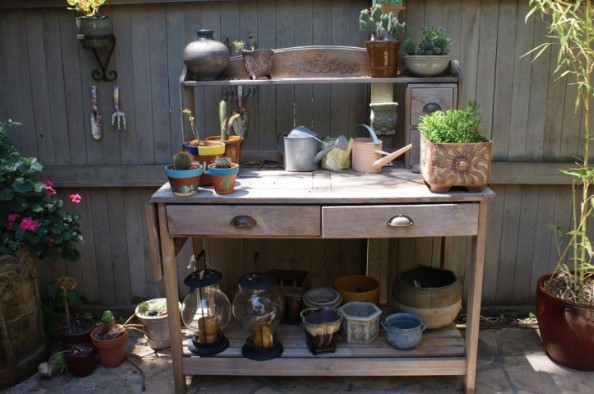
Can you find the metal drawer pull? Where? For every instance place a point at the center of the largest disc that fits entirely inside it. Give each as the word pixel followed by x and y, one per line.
pixel 243 221
pixel 400 221
pixel 429 108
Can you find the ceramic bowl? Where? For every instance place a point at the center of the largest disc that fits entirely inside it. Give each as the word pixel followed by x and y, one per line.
pixel 404 330
pixel 426 66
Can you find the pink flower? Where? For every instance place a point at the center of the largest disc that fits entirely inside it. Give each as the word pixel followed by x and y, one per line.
pixel 13 216
pixel 48 183
pixel 49 188
pixel 75 198
pixel 29 224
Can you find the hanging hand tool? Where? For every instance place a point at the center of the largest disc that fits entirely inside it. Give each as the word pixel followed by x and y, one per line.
pixel 118 116
pixel 96 118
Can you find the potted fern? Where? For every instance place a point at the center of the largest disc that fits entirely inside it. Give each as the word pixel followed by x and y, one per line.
pixel 430 56
pixel 565 297
pixel 386 33
pixel 453 150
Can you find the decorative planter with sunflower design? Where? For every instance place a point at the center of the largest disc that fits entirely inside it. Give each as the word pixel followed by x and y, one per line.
pixel 445 165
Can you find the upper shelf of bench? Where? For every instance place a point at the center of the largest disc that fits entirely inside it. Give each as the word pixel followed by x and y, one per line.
pixel 317 64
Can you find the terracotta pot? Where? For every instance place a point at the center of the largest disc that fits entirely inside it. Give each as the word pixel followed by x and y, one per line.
pixel 223 179
pixel 112 352
pixel 205 154
pixel 97 31
pixel 383 57
pixel 78 332
pixel 232 146
pixel 80 358
pixel 184 182
pixel 455 164
pixel 566 329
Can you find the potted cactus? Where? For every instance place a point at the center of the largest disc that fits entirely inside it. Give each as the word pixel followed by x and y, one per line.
pixel 183 174
pixel 223 172
pixel 153 316
pixel 110 339
pixel 386 31
pixel 430 56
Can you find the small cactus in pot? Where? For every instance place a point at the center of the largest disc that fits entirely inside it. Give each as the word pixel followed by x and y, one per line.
pixel 184 174
pixel 182 161
pixel 222 162
pixel 223 172
pixel 434 41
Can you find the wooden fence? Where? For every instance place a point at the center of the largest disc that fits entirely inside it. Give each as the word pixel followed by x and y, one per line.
pixel 45 77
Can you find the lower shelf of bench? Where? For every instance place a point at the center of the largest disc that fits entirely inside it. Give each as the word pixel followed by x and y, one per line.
pixel 441 352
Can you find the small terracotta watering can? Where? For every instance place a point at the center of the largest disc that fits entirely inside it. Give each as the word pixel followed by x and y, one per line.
pixel 367 153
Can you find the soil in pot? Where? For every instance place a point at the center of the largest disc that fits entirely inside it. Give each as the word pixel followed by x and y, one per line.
pixel 79 331
pixel 80 358
pixel 566 329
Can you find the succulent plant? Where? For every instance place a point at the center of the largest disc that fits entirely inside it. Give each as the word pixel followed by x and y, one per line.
pixel 182 160
pixel 383 26
pixel 434 41
pixel 222 162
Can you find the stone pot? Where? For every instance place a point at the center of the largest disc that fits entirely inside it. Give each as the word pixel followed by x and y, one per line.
pixel 404 330
pixel 446 165
pixel 566 329
pixel 426 65
pixel 431 293
pixel 205 57
pixel 155 327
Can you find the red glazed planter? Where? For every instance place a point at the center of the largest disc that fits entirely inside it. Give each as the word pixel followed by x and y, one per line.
pixel 112 352
pixel 566 329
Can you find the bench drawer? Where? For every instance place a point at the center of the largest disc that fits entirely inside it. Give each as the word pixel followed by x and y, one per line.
pixel 400 221
pixel 244 220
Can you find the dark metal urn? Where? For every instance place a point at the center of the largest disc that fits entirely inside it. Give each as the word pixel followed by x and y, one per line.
pixel 205 57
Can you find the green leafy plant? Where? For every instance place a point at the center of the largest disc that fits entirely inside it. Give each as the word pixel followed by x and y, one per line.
pixel 383 26
pixel 87 7
pixel 571 30
pixel 434 41
pixel 158 308
pixel 456 125
pixel 111 329
pixel 238 46
pixel 31 216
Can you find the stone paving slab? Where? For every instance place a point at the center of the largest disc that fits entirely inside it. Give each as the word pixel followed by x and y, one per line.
pixel 511 360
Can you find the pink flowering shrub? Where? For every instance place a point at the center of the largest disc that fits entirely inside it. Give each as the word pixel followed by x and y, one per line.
pixel 31 215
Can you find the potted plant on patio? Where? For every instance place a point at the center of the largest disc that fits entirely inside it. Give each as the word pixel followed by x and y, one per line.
pixel 386 31
pixel 110 339
pixel 565 297
pixel 453 150
pixel 94 28
pixel 73 331
pixel 430 57
pixel 153 316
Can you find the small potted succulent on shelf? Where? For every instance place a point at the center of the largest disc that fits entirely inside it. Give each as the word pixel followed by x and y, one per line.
pixel 110 339
pixel 453 150
pixel 430 57
pixel 153 316
pixel 386 33
pixel 257 62
pixel 93 28
pixel 184 174
pixel 223 172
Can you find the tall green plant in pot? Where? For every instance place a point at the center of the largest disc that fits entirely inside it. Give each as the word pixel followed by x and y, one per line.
pixel 565 297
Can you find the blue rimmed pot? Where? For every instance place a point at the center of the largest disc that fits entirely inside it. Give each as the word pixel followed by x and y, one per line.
pixel 205 154
pixel 223 179
pixel 404 330
pixel 184 182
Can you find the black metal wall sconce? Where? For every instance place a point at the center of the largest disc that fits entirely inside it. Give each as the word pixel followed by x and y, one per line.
pixel 102 44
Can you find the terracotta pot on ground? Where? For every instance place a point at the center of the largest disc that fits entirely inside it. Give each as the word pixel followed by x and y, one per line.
pixel 112 352
pixel 455 164
pixel 566 329
pixel 383 57
pixel 80 358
